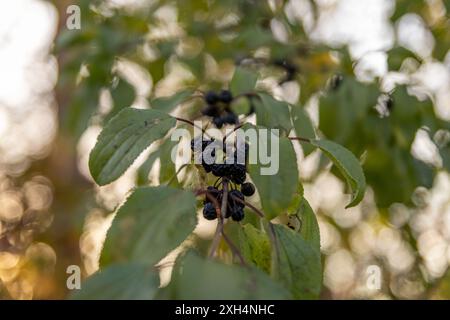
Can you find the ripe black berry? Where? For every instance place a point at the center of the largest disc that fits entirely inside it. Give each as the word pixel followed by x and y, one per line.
pixel 213 192
pixel 248 189
pixel 209 212
pixel 218 122
pixel 237 214
pixel 230 118
pixel 238 173
pixel 219 169
pixel 211 97
pixel 225 96
pixel 210 111
pixel 237 194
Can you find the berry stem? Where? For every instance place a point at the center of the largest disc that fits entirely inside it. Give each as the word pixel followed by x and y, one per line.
pixel 230 133
pixel 211 198
pixel 234 249
pixel 221 215
pixel 194 125
pixel 256 210
pixel 176 173
pixel 300 139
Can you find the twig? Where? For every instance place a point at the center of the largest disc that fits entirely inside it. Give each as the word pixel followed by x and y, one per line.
pixel 233 248
pixel 230 133
pixel 221 216
pixel 193 124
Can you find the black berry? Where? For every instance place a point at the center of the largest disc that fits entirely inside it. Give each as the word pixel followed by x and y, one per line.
pixel 237 214
pixel 211 97
pixel 238 173
pixel 230 118
pixel 218 122
pixel 225 96
pixel 210 111
pixel 219 169
pixel 214 193
pixel 239 195
pixel 248 189
pixel 209 212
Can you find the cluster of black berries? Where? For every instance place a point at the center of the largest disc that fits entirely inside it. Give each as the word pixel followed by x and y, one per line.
pixel 235 203
pixel 230 170
pixel 288 67
pixel 218 107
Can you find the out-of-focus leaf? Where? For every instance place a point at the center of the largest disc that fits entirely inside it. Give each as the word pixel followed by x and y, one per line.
pixel 123 95
pixel 123 139
pixel 145 168
pixel 255 246
pixel 152 222
pixel 397 55
pixel 167 170
pixel 272 113
pixel 296 264
pixel 128 281
pixel 309 227
pixel 276 189
pixel 243 81
pixel 348 165
pixel 83 105
pixel 343 111
pixel 303 128
pixel 197 278
pixel 167 104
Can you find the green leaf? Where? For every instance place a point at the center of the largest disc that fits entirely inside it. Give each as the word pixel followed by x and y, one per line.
pixel 348 165
pixel 243 81
pixel 303 128
pixel 343 111
pixel 123 96
pixel 146 167
pixel 152 222
pixel 167 170
pixel 197 278
pixel 120 282
pixel 397 55
pixel 167 104
pixel 272 113
pixel 309 228
pixel 128 133
pixel 296 264
pixel 255 246
pixel 277 191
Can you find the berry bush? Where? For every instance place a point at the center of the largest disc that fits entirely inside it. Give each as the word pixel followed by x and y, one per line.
pixel 232 76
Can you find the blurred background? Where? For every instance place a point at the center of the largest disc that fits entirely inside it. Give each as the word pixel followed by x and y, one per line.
pixel 58 86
